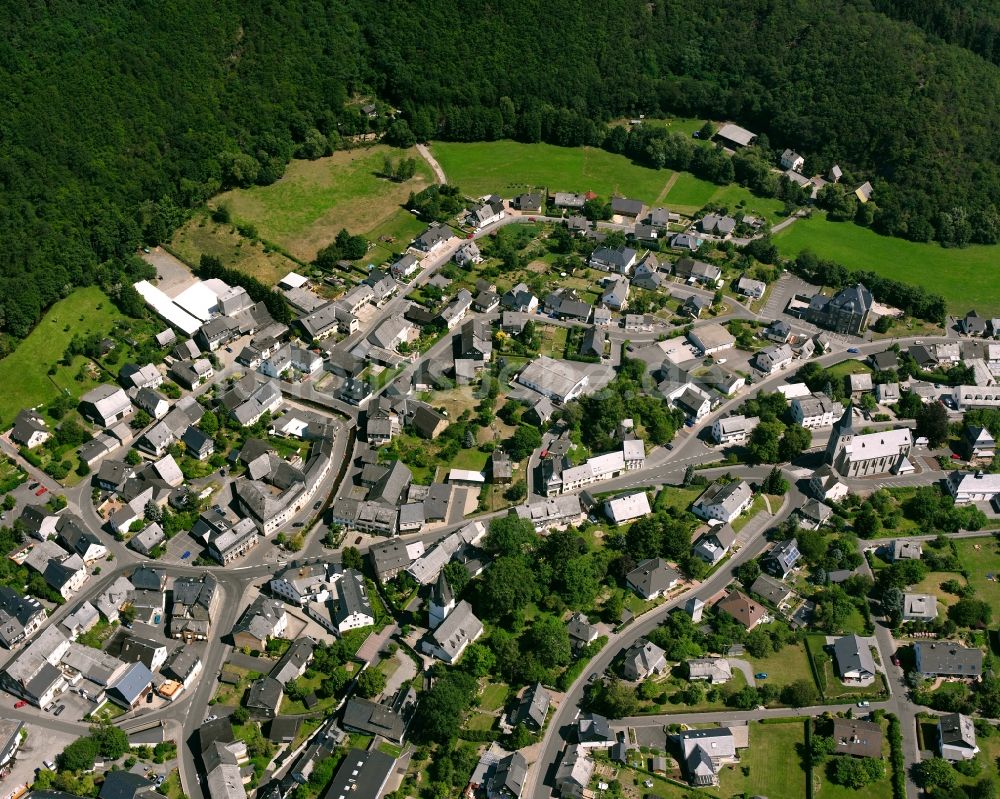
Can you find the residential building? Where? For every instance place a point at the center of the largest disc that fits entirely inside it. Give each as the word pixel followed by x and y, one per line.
pixel 264 698
pixel 771 359
pixel 826 485
pixel 712 670
pixel 734 429
pixel 623 206
pixel 261 621
pixel 30 429
pixel 697 271
pixel 652 578
pixel 968 487
pixel 106 405
pixel 978 444
pixel 902 549
pixel 857 737
pixel 533 708
pixel 388 719
pixel 781 558
pixel 530 203
pixel 574 773
pixel 390 558
pixel 703 753
pixel 947 659
pixel 361 774
pixel 643 659
pixel 744 610
pixel 130 688
pixel 970 397
pixel 815 411
pixel 354 609
pixel 771 590
pixel 887 393
pixel 718 225
pixel 919 607
pixel 196 601
pixel 855 664
pixel 792 160
pixel 713 546
pixel 20 617
pixel 137 649
pixel 486 214
pixel 551 512
pixel 147 539
pixel 455 311
pixel 581 631
pixel 723 501
pixel 620 260
pixel 627 508
pixel 749 287
pixel 956 737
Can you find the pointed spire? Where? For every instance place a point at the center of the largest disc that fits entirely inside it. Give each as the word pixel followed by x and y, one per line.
pixel 847 420
pixel 442 595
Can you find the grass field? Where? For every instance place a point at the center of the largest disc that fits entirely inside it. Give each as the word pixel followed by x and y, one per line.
pixel 507 167
pixel 772 761
pixel 201 236
pixel 784 667
pixel 964 277
pixel 689 194
pixel 314 199
pixel 981 562
pixel 493 696
pixel 24 373
pixel 931 584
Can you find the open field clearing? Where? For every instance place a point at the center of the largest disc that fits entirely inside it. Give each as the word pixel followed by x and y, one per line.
pixel 313 200
pixel 966 278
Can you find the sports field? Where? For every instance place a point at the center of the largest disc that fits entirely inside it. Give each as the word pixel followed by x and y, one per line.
pixel 24 373
pixel 966 278
pixel 508 167
pixel 313 200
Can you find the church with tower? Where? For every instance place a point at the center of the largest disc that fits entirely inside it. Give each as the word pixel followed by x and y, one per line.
pixel 868 454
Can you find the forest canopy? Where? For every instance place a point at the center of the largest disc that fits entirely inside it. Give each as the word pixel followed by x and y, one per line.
pixel 117 118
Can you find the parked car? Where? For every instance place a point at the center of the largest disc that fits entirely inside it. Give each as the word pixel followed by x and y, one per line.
pixel 357 540
pixel 59 710
pixel 760 675
pixel 864 703
pixel 49 765
pixel 186 555
pixel 853 350
pixel 299 524
pixel 317 504
pixel 41 491
pixel 19 704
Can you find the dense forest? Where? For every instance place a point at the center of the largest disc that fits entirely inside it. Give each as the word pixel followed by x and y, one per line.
pixel 116 118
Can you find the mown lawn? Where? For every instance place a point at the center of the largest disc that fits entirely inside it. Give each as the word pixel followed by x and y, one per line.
pixel 24 373
pixel 784 667
pixel 689 194
pixel 964 277
pixel 772 763
pixel 313 200
pixel 980 556
pixel 508 167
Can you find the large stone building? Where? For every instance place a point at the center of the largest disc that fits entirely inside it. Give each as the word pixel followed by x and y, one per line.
pixel 883 452
pixel 848 312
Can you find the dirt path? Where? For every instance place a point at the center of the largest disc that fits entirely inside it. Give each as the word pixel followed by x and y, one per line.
pixel 430 159
pixel 666 188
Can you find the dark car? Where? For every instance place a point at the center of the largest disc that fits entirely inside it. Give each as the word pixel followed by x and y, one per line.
pixel 317 504
pixel 299 524
pixel 59 710
pixel 149 698
pixel 853 350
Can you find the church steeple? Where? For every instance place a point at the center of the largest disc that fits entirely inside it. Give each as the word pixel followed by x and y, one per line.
pixel 441 601
pixel 841 436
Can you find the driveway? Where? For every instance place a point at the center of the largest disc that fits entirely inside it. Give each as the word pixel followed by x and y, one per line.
pixel 746 668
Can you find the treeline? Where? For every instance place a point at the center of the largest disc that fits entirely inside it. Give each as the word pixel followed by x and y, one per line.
pixel 118 119
pixel 911 299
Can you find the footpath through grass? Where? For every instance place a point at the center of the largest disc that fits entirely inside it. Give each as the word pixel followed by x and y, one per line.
pixel 24 374
pixel 966 278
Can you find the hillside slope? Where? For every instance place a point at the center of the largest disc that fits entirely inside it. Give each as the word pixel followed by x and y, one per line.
pixel 115 119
